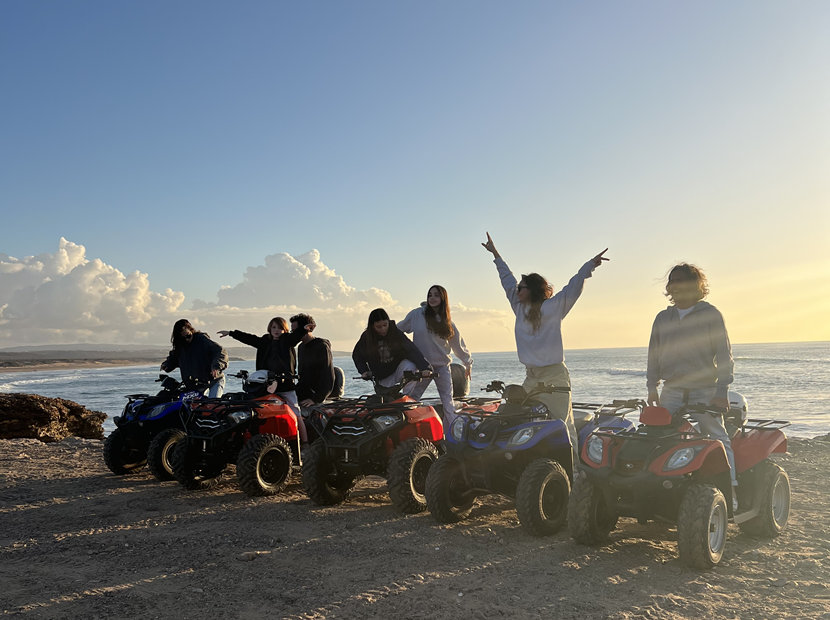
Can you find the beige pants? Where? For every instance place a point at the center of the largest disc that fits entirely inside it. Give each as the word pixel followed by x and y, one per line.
pixel 555 375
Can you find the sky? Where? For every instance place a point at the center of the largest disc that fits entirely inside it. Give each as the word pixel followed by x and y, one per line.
pixel 230 162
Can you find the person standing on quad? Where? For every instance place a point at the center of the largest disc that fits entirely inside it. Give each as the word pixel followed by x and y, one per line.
pixel 275 353
pixel 437 337
pixel 199 358
pixel 539 314
pixel 689 350
pixel 384 351
pixel 315 367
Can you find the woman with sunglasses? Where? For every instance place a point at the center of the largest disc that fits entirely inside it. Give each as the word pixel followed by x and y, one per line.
pixel 538 331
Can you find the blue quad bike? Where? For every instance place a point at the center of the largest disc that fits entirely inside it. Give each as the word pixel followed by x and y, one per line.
pixel 515 448
pixel 149 427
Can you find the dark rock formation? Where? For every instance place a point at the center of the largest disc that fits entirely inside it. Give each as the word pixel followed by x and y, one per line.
pixel 47 419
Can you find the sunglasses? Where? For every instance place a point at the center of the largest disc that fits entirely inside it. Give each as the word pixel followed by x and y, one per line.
pixel 521 286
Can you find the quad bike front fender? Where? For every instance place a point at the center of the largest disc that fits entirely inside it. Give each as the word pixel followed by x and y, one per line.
pixel 753 447
pixel 710 460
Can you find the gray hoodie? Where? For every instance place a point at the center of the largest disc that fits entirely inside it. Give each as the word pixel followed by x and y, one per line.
pixel 691 353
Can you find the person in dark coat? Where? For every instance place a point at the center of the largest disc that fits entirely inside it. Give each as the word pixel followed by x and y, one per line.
pixel 385 352
pixel 316 368
pixel 199 358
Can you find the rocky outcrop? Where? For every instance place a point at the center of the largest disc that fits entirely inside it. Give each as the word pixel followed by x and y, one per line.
pixel 47 419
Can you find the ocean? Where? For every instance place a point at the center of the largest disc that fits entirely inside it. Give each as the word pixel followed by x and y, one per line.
pixel 789 381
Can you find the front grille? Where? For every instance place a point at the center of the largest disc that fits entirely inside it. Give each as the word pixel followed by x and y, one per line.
pixel 208 423
pixel 347 429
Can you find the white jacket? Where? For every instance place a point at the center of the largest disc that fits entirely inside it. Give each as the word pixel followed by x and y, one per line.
pixel 436 350
pixel 543 348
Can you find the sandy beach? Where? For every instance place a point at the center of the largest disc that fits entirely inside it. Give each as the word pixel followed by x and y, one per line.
pixel 79 542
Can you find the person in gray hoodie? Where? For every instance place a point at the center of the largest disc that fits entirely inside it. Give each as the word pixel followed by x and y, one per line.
pixel 689 351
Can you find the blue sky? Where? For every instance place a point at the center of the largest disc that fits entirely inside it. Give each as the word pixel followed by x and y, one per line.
pixel 190 140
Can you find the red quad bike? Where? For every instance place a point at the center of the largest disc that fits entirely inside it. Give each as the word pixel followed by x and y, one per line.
pixel 667 471
pixel 383 434
pixel 255 429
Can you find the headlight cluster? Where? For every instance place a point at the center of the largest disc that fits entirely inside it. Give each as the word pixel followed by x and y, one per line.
pixel 522 436
pixel 237 417
pixel 383 422
pixel 681 458
pixel 595 447
pixel 457 429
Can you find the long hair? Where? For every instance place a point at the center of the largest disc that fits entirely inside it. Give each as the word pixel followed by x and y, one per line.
pixel 438 319
pixel 175 338
pixel 281 322
pixel 378 314
pixel 539 290
pixel 692 273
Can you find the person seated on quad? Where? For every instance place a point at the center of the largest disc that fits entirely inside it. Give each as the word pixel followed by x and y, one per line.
pixel 689 351
pixel 538 330
pixel 199 358
pixel 384 351
pixel 315 366
pixel 275 352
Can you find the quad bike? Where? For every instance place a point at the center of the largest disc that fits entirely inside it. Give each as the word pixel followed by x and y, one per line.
pixel 384 434
pixel 149 427
pixel 667 471
pixel 517 449
pixel 256 429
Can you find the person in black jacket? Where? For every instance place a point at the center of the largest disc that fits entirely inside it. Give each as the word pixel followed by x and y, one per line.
pixel 316 369
pixel 199 358
pixel 384 351
pixel 275 352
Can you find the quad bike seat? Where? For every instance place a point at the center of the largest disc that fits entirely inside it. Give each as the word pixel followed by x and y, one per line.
pixel 582 417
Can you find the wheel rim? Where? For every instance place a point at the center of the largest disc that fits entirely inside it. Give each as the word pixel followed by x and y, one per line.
pixel 165 456
pixel 601 514
pixel 457 490
pixel 552 500
pixel 272 466
pixel 420 469
pixel 717 528
pixel 780 502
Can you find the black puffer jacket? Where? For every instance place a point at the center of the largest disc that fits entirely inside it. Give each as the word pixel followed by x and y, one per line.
pixel 197 358
pixel 278 355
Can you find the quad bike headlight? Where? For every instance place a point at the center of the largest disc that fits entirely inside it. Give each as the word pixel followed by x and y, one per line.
pixel 522 436
pixel 681 458
pixel 237 417
pixel 383 422
pixel 457 429
pixel 595 447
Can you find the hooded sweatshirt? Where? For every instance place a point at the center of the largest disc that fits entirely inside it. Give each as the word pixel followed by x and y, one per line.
pixel 436 349
pixel 690 353
pixel 543 347
pixel 396 347
pixel 316 370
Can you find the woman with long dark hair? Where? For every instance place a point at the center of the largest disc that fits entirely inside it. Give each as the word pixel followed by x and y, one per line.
pixel 200 359
pixel 384 352
pixel 437 337
pixel 538 331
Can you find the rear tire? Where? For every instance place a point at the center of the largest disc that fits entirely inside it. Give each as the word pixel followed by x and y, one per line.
pixel 773 487
pixel 702 526
pixel 446 491
pixel 407 473
pixel 119 458
pixel 320 479
pixel 191 478
pixel 264 466
pixel 590 520
pixel 542 497
pixel 160 451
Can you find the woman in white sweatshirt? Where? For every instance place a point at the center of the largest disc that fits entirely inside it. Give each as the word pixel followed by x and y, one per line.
pixel 436 336
pixel 538 331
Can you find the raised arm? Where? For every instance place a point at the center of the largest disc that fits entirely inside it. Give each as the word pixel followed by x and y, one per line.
pixel 566 298
pixel 508 280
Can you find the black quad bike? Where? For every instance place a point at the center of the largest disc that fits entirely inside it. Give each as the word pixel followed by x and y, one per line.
pixel 383 434
pixel 149 427
pixel 515 448
pixel 256 429
pixel 665 470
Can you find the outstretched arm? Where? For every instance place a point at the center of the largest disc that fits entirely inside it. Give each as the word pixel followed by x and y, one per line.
pixel 508 280
pixel 491 247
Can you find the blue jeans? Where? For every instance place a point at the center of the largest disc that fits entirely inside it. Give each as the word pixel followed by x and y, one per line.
pixel 709 425
pixel 216 387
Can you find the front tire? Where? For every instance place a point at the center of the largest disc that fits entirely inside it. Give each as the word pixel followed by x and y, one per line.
pixel 590 519
pixel 119 458
pixel 702 526
pixel 160 451
pixel 322 483
pixel 773 487
pixel 542 497
pixel 448 497
pixel 407 473
pixel 190 477
pixel 264 466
